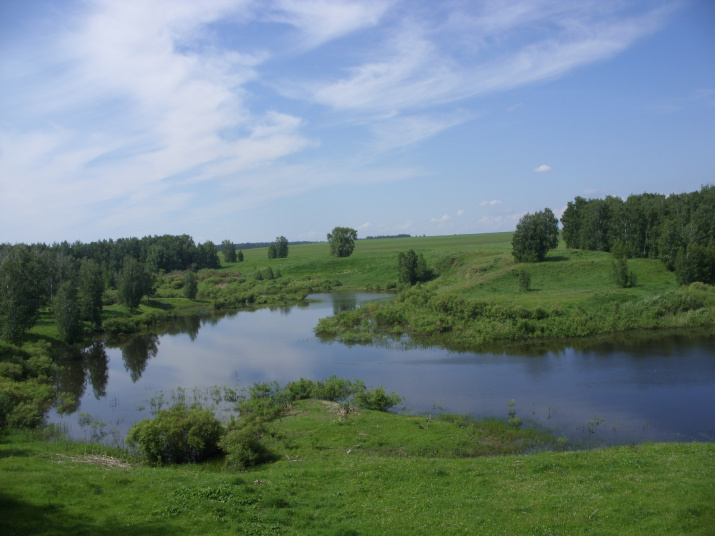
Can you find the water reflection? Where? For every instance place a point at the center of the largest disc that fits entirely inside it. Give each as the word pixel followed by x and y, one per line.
pixel 637 387
pixel 137 352
pixel 76 368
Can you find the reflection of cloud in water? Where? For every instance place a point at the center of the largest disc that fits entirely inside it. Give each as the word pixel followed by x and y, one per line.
pixel 648 391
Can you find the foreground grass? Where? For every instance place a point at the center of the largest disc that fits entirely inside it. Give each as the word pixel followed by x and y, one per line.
pixel 370 473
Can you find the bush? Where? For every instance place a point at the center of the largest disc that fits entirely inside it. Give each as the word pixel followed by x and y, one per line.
pixel 243 447
pixel 524 281
pixel 335 389
pixel 26 385
pixel 377 399
pixel 178 435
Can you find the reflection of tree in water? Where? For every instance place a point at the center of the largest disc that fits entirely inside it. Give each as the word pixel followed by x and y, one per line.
pixel 186 324
pixel 75 368
pixel 96 364
pixel 70 381
pixel 137 352
pixel 344 302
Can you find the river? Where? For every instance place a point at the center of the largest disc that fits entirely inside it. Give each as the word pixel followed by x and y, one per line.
pixel 634 388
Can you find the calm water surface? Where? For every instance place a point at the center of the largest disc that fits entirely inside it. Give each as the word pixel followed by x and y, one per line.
pixel 637 388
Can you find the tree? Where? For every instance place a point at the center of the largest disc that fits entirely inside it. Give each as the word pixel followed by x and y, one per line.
pixel 191 284
pixel 342 241
pixel 239 256
pixel 207 256
pixel 135 281
pixel 91 288
pixel 535 235
pixel 407 267
pixel 272 253
pixel 20 292
pixel 571 222
pixel 281 245
pixel 67 312
pixel 229 251
pixel 619 266
pixel 412 268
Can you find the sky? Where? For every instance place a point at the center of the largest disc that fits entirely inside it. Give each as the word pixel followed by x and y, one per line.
pixel 251 119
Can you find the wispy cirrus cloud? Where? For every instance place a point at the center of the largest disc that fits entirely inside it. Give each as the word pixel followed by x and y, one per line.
pixel 161 113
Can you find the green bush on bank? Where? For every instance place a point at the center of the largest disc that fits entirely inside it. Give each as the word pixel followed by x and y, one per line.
pixel 178 435
pixel 26 385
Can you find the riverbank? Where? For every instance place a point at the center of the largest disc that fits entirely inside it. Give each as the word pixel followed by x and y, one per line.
pixel 361 473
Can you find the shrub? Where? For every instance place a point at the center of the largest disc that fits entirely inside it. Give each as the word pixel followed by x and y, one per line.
pixel 524 281
pixel 335 389
pixel 377 399
pixel 243 447
pixel 178 435
pixel 301 389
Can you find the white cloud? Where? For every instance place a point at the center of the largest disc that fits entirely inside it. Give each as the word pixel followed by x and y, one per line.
pixel 365 225
pixel 412 70
pixel 323 20
pixel 460 212
pixel 443 219
pixel 515 107
pixel 396 132
pixel 490 203
pixel 543 168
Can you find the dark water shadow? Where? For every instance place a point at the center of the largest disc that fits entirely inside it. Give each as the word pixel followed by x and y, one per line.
pixel 21 518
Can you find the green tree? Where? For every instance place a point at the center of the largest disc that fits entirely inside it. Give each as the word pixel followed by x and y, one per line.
pixel 535 235
pixel 229 251
pixel 695 263
pixel 281 245
pixel 239 256
pixel 342 241
pixel 407 267
pixel 191 284
pixel 67 312
pixel 91 288
pixel 207 256
pixel 135 281
pixel 619 266
pixel 571 222
pixel 20 292
pixel 412 268
pixel 272 252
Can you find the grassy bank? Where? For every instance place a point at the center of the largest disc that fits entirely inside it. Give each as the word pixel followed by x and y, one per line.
pixel 363 473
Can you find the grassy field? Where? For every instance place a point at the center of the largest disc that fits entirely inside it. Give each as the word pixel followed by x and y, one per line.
pixel 365 473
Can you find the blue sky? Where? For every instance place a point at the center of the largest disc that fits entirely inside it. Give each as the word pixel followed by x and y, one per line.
pixel 246 120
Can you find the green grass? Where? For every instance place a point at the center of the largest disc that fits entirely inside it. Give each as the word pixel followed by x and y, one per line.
pixel 368 473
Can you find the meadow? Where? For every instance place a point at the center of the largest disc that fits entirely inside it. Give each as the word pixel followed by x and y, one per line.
pixel 365 472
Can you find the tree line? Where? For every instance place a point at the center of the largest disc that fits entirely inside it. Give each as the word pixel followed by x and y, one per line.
pixel 678 229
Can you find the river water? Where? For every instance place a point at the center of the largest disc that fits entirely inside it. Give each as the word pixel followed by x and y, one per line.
pixel 644 387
